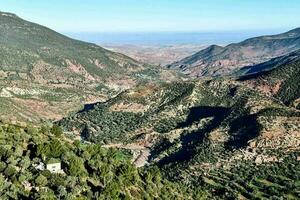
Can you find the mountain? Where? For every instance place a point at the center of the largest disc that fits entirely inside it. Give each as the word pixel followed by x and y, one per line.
pixel 234 138
pixel 278 77
pixel 139 136
pixel 158 109
pixel 217 60
pixel 41 70
pixel 197 131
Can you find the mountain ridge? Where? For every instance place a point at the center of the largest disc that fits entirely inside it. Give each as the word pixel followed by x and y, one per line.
pixel 42 70
pixel 217 61
pixel 278 77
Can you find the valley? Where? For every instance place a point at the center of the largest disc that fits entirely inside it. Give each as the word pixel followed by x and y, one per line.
pixel 157 55
pixel 42 66
pixel 174 122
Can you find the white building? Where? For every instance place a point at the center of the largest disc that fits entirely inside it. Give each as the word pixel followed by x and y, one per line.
pixel 54 167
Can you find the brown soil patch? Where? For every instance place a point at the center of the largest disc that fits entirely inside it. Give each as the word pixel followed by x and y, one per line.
pixel 79 69
pixel 144 91
pixel 45 110
pixel 123 84
pixel 265 87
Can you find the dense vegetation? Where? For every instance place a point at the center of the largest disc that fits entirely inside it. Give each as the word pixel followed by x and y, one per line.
pixel 92 172
pixel 89 171
pixel 109 126
pixel 247 180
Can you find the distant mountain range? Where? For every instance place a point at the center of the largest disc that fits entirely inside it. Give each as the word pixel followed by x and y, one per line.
pixel 217 60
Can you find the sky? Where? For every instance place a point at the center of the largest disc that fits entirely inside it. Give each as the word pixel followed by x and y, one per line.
pixel 158 15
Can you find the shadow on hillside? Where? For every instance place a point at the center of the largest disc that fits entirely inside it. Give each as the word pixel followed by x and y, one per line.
pixel 191 140
pixel 242 130
pixel 88 107
pixel 202 112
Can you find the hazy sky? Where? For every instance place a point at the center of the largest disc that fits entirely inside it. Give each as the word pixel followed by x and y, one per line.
pixel 157 15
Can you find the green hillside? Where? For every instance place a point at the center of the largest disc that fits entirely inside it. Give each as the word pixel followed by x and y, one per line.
pixel 26 46
pixel 195 130
pixel 41 67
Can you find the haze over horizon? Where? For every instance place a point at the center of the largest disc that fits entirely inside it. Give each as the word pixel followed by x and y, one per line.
pixel 170 38
pixel 164 22
pixel 154 16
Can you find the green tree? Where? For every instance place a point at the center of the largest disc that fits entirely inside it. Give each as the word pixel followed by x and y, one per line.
pixel 2 166
pixel 53 149
pixel 41 180
pixel 76 167
pixel 10 171
pixel 45 129
pixel 31 130
pixel 56 130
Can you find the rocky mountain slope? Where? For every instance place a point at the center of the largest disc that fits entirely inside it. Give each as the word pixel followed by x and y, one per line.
pixel 216 60
pixel 195 130
pixel 160 108
pixel 278 77
pixel 235 138
pixel 41 67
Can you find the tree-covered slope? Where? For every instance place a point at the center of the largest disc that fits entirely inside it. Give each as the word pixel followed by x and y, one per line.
pixel 88 170
pixel 218 61
pixel 195 130
pixel 40 54
pixel 92 171
pixel 187 111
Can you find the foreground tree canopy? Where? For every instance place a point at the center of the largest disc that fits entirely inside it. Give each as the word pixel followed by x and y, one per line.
pixel 90 172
